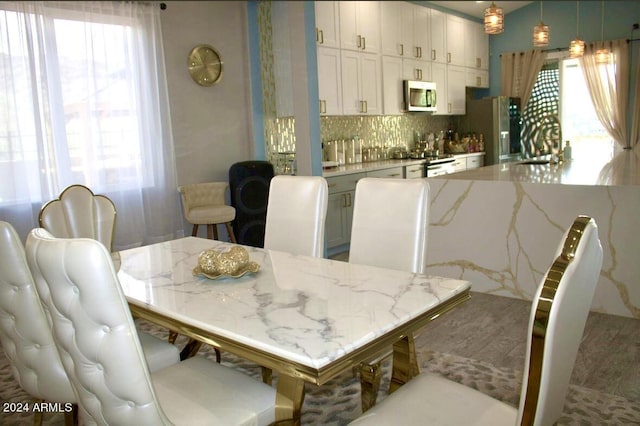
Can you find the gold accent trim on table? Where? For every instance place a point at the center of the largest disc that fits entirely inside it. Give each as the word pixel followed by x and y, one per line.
pixel 542 313
pixel 291 390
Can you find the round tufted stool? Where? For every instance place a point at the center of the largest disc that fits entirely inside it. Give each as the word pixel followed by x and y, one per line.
pixel 204 204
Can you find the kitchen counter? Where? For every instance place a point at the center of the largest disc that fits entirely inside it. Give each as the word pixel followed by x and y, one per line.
pixel 623 169
pixel 499 226
pixel 381 165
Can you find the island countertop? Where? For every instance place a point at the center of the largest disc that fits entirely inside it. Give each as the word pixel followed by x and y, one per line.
pixel 623 169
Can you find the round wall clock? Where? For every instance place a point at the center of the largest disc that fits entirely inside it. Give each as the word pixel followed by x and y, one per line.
pixel 205 65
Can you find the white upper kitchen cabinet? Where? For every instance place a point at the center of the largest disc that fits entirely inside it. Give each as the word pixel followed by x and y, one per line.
pixel 391 28
pixel 360 26
pixel 405 30
pixel 456 79
pixel 477 78
pixel 415 69
pixel 392 76
pixel 327 23
pixel 450 89
pixel 329 81
pixel 476 44
pixel 421 33
pixel 361 83
pixel 438 28
pixel 455 40
pixel 439 76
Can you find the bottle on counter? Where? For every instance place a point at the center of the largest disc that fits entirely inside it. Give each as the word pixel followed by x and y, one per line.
pixel 481 143
pixel 567 151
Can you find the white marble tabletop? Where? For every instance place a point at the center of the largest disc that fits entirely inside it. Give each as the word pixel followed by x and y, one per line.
pixel 305 310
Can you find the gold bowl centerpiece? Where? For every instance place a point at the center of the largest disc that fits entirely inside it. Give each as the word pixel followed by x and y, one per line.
pixel 224 261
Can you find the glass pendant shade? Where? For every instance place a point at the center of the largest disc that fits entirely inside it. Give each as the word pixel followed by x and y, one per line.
pixel 576 49
pixel 602 56
pixel 493 19
pixel 541 35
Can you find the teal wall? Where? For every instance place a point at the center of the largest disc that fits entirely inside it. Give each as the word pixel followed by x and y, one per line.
pixel 561 18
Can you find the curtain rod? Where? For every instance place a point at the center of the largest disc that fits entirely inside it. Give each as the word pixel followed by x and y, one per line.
pixel 561 49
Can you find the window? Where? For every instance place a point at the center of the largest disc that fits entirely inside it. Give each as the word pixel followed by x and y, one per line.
pixel 83 99
pixel 580 124
pixel 560 109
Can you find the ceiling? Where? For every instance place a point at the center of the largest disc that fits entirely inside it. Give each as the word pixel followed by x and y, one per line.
pixel 476 8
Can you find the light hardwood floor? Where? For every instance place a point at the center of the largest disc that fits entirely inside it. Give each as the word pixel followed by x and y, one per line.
pixel 493 329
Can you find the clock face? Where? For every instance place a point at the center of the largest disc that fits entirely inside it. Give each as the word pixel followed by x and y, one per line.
pixel 205 65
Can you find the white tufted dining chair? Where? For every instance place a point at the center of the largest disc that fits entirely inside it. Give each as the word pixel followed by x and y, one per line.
pixel 204 204
pixel 79 213
pixel 296 214
pixel 558 315
pixel 25 333
pixel 390 224
pixel 26 336
pixel 93 328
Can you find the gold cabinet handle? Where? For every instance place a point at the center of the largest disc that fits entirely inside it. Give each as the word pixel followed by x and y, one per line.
pixel 479 81
pixel 478 62
pixel 401 49
pixel 366 106
pixel 433 54
pixel 449 107
pixel 448 57
pixel 364 43
pixel 419 52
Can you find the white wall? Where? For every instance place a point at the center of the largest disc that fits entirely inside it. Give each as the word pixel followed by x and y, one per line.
pixel 211 125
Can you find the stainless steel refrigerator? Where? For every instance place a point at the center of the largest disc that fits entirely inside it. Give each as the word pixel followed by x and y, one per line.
pixel 498 120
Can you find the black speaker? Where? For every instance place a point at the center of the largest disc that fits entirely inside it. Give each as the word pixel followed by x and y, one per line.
pixel 249 186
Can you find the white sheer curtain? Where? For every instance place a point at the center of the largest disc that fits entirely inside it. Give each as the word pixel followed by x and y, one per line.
pixel 84 100
pixel 519 72
pixel 609 86
pixel 635 116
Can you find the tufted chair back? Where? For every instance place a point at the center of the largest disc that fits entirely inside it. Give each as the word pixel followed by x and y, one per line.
pixel 79 213
pixel 203 194
pixel 94 331
pixel 390 224
pixel 24 329
pixel 296 214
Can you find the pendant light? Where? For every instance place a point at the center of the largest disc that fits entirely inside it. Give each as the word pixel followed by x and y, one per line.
pixel 493 19
pixel 602 55
pixel 541 32
pixel 576 49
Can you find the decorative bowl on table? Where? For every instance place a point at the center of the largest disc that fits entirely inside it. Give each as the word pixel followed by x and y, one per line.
pixel 224 262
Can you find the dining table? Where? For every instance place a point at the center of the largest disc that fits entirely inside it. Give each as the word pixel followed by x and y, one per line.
pixel 308 319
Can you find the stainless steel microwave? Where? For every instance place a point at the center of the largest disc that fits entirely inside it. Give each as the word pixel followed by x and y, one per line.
pixel 419 95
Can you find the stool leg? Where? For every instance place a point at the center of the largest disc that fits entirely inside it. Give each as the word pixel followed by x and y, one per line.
pixel 215 231
pixel 210 231
pixel 194 233
pixel 232 236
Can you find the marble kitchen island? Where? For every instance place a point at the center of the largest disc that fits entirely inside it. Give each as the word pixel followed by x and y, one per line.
pixel 499 226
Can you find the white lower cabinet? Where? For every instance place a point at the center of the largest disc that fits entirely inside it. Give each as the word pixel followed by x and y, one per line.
pixel 475 161
pixel 393 173
pixel 414 172
pixel 342 190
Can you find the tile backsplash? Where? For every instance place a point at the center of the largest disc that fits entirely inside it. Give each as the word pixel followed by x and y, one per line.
pixel 381 130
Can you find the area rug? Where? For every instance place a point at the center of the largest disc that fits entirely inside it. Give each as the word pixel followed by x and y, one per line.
pixel 338 402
